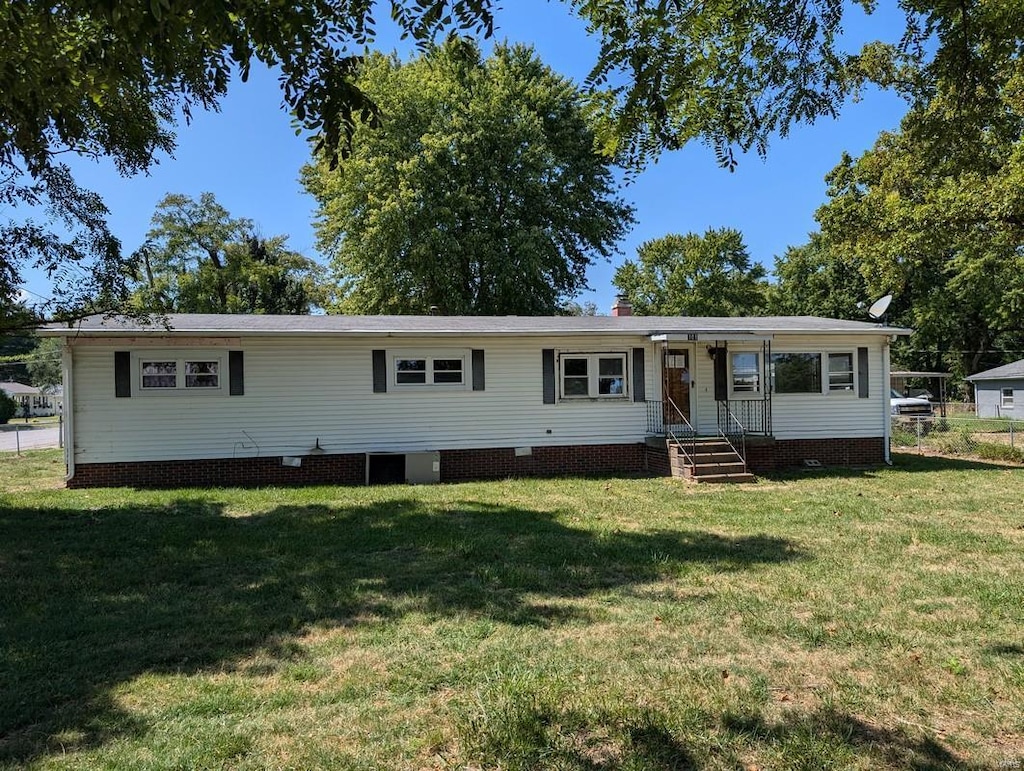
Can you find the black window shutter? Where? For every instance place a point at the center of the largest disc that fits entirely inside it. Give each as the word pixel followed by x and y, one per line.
pixel 122 373
pixel 548 369
pixel 380 371
pixel 639 376
pixel 862 372
pixel 236 373
pixel 721 375
pixel 478 369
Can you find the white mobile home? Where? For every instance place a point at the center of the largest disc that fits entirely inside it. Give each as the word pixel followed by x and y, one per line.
pixel 217 399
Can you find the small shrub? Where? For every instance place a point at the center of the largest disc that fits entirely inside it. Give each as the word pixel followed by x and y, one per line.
pixel 956 442
pixel 903 439
pixel 8 407
pixel 994 451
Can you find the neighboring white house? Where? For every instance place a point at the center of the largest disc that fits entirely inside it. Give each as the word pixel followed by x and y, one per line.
pixel 999 392
pixel 219 399
pixel 40 402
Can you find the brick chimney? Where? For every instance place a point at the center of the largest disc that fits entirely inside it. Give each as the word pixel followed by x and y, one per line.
pixel 622 307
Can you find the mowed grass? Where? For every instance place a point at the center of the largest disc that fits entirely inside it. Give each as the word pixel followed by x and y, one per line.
pixel 852 620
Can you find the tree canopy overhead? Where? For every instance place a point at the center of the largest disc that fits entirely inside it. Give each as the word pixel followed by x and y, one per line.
pixel 111 78
pixel 480 193
pixel 934 212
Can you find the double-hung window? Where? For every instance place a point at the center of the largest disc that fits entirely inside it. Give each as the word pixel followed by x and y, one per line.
pixel 746 372
pixel 840 372
pixel 430 370
pixel 167 373
pixel 593 375
pixel 1006 398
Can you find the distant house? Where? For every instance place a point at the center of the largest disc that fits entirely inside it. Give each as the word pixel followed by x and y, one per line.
pixel 999 392
pixel 236 399
pixel 41 402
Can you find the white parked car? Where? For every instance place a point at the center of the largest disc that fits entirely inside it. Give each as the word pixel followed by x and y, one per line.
pixel 909 406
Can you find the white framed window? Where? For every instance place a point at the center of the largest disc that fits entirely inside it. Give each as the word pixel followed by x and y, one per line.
pixel 841 372
pixel 442 369
pixel 593 375
pixel 1006 398
pixel 170 373
pixel 745 372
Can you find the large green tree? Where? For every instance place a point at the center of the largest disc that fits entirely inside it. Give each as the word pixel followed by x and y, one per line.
pixel 480 193
pixel 694 275
pixel 110 78
pixel 44 365
pixel 200 259
pixel 934 213
pixel 812 280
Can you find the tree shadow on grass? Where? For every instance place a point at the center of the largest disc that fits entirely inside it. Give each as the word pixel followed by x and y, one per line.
pixel 95 598
pixel 534 736
pixel 829 738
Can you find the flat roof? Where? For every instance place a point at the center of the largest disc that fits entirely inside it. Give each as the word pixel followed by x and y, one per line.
pixel 240 324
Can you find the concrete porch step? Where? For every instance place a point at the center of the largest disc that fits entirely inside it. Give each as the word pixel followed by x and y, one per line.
pixel 744 476
pixel 714 469
pixel 707 459
pixel 704 458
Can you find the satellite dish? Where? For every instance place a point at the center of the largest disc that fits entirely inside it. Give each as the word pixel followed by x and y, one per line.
pixel 879 307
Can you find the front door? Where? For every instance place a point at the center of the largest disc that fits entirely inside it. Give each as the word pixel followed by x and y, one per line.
pixel 676 387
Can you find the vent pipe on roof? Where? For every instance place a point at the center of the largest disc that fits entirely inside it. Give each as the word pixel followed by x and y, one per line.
pixel 434 310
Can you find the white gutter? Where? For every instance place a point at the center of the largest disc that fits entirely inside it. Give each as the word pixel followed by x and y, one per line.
pixel 886 409
pixel 67 370
pixel 713 337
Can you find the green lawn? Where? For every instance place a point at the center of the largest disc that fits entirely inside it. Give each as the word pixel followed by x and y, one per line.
pixel 860 620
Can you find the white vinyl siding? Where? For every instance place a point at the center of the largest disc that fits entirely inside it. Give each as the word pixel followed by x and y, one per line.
pixel 818 415
pixel 299 390
pixel 835 412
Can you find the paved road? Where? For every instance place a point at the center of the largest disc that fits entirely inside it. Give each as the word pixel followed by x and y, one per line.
pixel 30 436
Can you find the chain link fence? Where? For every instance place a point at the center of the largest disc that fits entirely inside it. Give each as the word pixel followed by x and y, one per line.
pixel 986 438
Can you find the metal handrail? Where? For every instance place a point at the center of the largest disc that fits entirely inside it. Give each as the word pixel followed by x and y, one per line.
pixel 731 420
pixel 691 432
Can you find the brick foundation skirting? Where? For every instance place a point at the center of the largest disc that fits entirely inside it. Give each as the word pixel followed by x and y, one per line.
pixel 769 454
pixel 350 469
pixel 763 455
pixel 568 460
pixel 347 469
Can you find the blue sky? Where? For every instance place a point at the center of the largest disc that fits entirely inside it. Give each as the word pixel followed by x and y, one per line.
pixel 249 156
